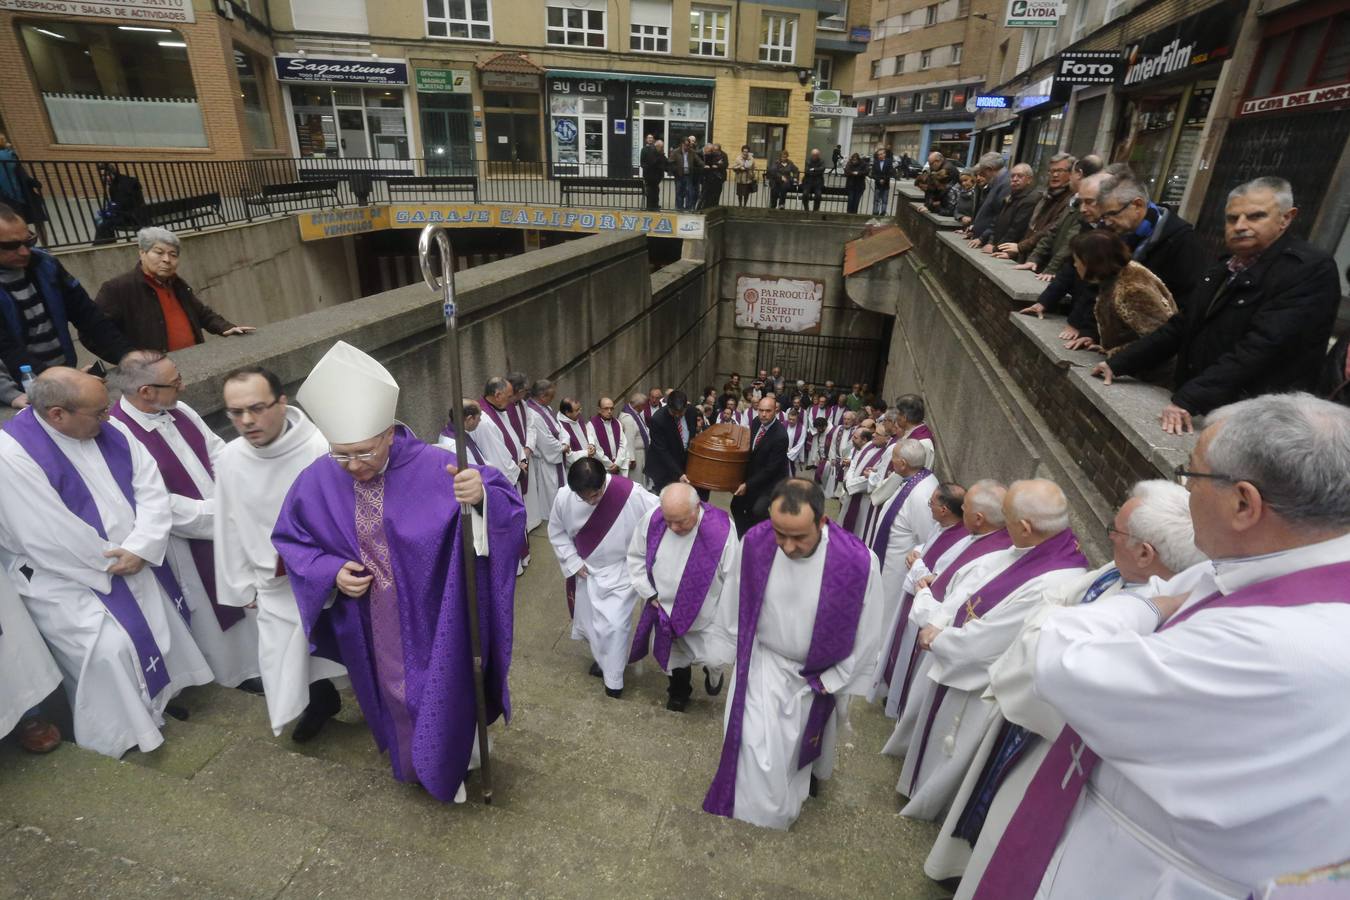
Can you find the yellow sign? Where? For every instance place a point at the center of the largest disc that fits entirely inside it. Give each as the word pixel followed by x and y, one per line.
pixel 331 223
pixel 546 218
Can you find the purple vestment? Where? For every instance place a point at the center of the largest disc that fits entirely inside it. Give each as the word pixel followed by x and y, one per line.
pixel 472 454
pixel 882 539
pixel 607 430
pixel 418 523
pixel 598 524
pixel 843 587
pixel 552 425
pixel 940 545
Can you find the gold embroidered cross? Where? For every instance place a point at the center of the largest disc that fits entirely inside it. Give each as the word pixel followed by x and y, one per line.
pixel 970 608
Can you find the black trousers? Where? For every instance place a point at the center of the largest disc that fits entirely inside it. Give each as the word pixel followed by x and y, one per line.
pixel 681 683
pixel 744 514
pixel 653 193
pixel 811 192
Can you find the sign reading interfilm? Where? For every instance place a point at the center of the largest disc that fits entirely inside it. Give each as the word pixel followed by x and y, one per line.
pixel 137 10
pixel 779 304
pixel 1032 14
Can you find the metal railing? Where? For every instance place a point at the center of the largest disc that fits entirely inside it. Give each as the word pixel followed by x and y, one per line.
pixel 81 202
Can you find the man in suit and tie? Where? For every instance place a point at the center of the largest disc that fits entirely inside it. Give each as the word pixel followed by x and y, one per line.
pixel 767 466
pixel 672 427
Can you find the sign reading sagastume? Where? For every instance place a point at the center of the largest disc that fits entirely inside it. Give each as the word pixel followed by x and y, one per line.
pixel 138 10
pixel 771 303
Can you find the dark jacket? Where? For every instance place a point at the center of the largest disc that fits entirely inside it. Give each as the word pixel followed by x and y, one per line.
pixel 130 302
pixel 1073 296
pixel 881 172
pixel 1262 331
pixel 677 162
pixel 652 163
pixel 1045 218
pixel 1174 253
pixel 67 304
pixel 1333 384
pixel 991 203
pixel 767 466
pixel 1014 218
pixel 715 166
pixel 783 174
pixel 814 175
pixel 666 456
pixel 855 175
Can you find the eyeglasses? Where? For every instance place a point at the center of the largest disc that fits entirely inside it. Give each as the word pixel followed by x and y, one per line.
pixel 30 242
pixel 177 384
pixel 1184 475
pixel 1115 212
pixel 343 459
pixel 1111 529
pixel 255 410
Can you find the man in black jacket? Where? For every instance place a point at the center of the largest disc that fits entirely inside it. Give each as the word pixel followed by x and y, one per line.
pixel 813 180
pixel 652 161
pixel 1259 320
pixel 667 443
pixel 1014 215
pixel 768 465
pixel 1160 239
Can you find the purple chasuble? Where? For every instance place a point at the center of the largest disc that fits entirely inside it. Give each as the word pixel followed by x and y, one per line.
pixel 882 539
pixel 941 544
pixel 641 423
pixel 705 556
pixel 1018 865
pixel 598 524
pixel 74 493
pixel 323 525
pixel 1059 552
pixel 471 451
pixel 552 425
pixel 178 481
pixel 843 586
pixel 606 430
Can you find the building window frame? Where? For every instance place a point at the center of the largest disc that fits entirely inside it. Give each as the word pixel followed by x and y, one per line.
pixel 475 28
pixel 581 23
pixel 649 38
pixel 709 31
pixel 770 103
pixel 876 69
pixel 824 72
pixel 778 38
pixel 925 60
pixel 958 50
pixel 930 15
pixel 899 63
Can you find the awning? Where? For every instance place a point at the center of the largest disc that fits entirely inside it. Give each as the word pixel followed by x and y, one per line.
pixel 881 244
pixel 510 63
pixel 630 76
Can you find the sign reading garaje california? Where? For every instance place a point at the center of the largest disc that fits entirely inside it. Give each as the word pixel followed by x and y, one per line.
pixel 779 304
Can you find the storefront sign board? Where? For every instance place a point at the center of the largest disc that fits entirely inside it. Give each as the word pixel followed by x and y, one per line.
pixel 166 11
pixel 442 81
pixel 1332 93
pixel 341 71
pixel 1032 14
pixel 1202 38
pixel 546 218
pixel 315 226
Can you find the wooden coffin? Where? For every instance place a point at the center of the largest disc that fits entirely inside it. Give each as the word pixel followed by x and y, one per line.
pixel 718 457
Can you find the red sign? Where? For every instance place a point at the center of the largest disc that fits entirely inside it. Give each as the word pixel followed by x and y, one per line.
pixel 1334 93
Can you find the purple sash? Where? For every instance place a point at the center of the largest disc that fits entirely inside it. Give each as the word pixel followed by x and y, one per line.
pixel 705 557
pixel 471 451
pixel 604 435
pixel 1019 861
pixel 855 501
pixel 178 481
pixel 598 524
pixel 74 493
pixel 507 432
pixel 882 539
pixel 1059 552
pixel 641 425
pixel 842 589
pixel 573 440
pixel 551 424
pixel 920 433
pixel 941 544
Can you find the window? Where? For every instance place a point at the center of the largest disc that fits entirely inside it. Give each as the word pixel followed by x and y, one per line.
pixel 957 50
pixel 649 26
pixel 824 72
pixel 572 27
pixel 467 19
pixel 138 94
pixel 930 15
pixel 769 102
pixel 876 68
pixel 916 103
pixel 708 31
pixel 900 64
pixel 345 121
pixel 925 59
pixel 253 93
pixel 766 141
pixel 777 38
pixel 946 99
pixel 882 105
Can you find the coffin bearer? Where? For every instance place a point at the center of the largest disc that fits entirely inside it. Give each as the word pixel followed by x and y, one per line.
pixel 807 599
pixel 186 452
pixel 276 442
pixel 591 525
pixel 679 556
pixel 379 522
pixel 604 433
pixel 87 509
pixel 672 428
pixel 768 464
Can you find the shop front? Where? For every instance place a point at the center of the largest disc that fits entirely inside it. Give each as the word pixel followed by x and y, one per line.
pixel 445 112
pixel 670 112
pixel 512 115
pixel 346 108
pixel 951 139
pixel 1041 110
pixel 831 123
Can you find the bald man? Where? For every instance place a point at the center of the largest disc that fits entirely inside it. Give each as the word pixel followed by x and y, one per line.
pixel 606 435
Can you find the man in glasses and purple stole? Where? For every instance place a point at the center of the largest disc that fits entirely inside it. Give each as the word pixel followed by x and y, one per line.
pixel 371 540
pixel 276 443
pixel 1204 746
pixel 86 507
pixel 606 435
pixel 592 522
pixel 186 452
pixel 954 717
pixel 679 557
pixel 805 606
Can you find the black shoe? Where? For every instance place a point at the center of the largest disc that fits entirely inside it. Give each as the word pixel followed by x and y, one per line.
pixel 815 786
pixel 595 671
pixel 614 693
pixel 324 703
pixel 250 686
pixel 178 712
pixel 677 704
pixel 713 690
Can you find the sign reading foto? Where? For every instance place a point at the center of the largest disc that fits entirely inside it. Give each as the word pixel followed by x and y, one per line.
pixel 1090 67
pixel 1032 14
pixel 779 304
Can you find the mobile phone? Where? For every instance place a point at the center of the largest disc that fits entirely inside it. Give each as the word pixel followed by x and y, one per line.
pixel 97 370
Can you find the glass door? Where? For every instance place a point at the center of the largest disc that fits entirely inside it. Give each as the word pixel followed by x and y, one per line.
pixel 649 117
pixel 593 146
pixel 351 122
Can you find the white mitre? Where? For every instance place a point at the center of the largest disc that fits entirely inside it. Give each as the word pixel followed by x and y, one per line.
pixel 349 396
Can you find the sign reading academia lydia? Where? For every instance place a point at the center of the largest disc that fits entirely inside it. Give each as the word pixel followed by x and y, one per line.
pixel 1032 14
pixel 139 10
pixel 779 304
pixel 341 71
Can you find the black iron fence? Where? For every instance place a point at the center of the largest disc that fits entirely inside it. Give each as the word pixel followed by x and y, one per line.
pixel 78 202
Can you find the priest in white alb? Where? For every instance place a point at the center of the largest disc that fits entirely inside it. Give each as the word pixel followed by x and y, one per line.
pixel 604 433
pixel 868 457
pixel 955 717
pixel 471 414
pixel 838 449
pixel 633 420
pixel 910 410
pixel 901 520
pixel 593 520
pixel 549 445
pixel 805 605
pixel 28 674
pixel 276 443
pixel 680 555
pixel 575 443
pixel 87 510
pixel 1204 746
pixel 186 452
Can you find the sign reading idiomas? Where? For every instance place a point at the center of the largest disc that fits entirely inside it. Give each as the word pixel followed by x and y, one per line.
pixel 779 304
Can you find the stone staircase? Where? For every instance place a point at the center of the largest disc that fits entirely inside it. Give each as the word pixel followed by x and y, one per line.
pixel 593 798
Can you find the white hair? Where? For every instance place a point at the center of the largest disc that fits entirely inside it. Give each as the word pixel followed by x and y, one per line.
pixel 912 452
pixel 986 496
pixel 1163 520
pixel 679 487
pixel 990 162
pixel 1282 189
pixel 1294 448
pixel 1047 511
pixel 147 238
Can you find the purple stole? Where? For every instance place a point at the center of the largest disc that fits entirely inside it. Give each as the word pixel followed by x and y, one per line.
pixel 641 425
pixel 843 587
pixel 1059 552
pixel 178 481
pixel 471 451
pixel 573 439
pixel 705 556
pixel 509 436
pixel 552 425
pixel 920 433
pixel 941 544
pixel 827 462
pixel 794 432
pixel 74 493
pixel 598 524
pixel 516 416
pixel 855 501
pixel 882 539
pixel 605 434
pixel 1019 862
